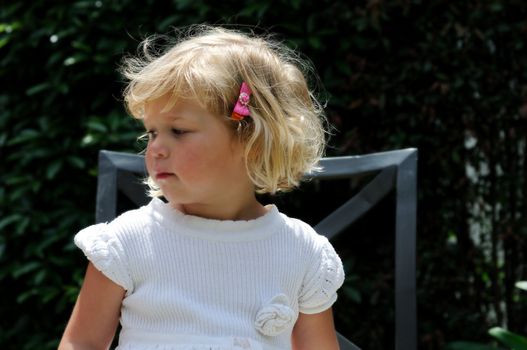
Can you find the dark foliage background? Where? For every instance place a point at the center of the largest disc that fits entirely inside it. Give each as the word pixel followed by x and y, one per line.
pixel 447 77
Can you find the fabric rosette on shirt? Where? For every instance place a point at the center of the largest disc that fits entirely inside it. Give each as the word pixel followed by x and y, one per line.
pixel 275 317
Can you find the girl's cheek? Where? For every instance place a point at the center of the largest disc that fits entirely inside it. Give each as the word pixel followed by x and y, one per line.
pixel 148 163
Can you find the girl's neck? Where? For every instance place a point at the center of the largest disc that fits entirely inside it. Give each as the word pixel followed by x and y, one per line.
pixel 248 209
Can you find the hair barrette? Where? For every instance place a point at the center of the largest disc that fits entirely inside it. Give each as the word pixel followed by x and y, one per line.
pixel 241 109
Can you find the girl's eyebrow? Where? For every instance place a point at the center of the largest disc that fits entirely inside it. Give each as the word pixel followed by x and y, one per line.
pixel 170 117
pixel 185 116
pixel 174 116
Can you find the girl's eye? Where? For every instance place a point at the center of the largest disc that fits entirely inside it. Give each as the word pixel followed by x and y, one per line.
pixel 178 132
pixel 143 137
pixel 151 134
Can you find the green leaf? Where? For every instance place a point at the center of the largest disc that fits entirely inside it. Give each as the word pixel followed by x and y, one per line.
pixel 513 340
pixel 168 21
pixel 79 45
pixel 53 169
pixel 8 220
pixel 24 136
pixel 35 89
pixel 3 42
pixel 26 295
pixel 96 125
pixel 9 27
pixel 521 285
pixel 76 162
pixel 315 42
pixel 26 268
pixel 69 61
pixel 39 277
pixel 352 293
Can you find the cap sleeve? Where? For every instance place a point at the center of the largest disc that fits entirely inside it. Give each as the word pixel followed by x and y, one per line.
pixel 324 277
pixel 104 250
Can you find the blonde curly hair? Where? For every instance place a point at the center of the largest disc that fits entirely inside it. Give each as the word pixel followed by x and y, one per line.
pixel 284 136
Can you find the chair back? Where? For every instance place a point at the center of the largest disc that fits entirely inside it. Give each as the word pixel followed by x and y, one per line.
pixel 394 171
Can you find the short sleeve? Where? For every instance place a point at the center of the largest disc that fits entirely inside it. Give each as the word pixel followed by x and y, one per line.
pixel 324 277
pixel 106 253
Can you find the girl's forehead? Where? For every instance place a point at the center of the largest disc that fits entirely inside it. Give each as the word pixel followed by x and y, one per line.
pixel 166 107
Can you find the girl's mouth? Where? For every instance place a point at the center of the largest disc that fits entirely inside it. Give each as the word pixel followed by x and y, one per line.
pixel 162 176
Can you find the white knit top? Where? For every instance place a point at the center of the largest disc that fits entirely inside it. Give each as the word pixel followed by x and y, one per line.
pixel 202 284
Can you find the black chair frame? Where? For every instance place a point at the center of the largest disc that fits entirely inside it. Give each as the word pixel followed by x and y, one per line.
pixel 394 171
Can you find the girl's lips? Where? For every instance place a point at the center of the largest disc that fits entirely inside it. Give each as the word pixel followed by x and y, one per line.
pixel 161 176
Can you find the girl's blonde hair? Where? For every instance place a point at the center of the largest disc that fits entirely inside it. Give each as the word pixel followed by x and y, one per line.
pixel 284 136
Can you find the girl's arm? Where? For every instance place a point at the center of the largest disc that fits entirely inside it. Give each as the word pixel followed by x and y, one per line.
pixel 96 313
pixel 315 332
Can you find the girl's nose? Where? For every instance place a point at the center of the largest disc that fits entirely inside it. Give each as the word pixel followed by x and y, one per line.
pixel 157 148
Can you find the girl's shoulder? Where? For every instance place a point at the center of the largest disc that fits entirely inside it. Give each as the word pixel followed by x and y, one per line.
pixel 125 227
pixel 112 246
pixel 323 269
pixel 304 233
pixel 130 222
pixel 133 218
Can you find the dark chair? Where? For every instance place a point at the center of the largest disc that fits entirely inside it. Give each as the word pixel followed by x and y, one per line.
pixel 395 171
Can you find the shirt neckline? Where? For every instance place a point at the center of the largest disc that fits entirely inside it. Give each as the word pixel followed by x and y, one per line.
pixel 213 229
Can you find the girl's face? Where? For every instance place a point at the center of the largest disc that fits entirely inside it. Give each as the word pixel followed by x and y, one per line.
pixel 195 158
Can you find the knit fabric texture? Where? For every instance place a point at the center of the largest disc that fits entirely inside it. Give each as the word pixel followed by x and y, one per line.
pixel 195 283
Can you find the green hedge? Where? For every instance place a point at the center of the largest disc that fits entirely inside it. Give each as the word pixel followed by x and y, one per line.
pixel 446 77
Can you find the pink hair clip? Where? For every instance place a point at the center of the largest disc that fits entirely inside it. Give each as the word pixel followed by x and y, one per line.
pixel 241 109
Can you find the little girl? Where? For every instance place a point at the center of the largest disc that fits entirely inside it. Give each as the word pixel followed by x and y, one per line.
pixel 209 267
